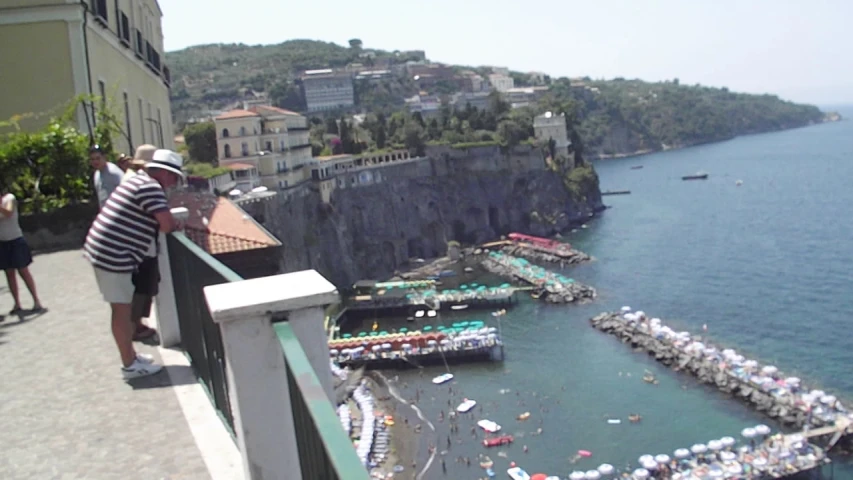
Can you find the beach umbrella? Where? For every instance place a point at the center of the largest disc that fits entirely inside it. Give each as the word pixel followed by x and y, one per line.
pixel 728 456
pixel 626 309
pixel 606 469
pixel 386 346
pixel 827 399
pixel 538 476
pixel 748 433
pixel 681 453
pixel 347 335
pixel 762 430
pixel 698 449
pixel 374 334
pixel 792 380
pixel 362 334
pixel 769 370
pixel 759 462
pixel 662 458
pixel 463 287
pixel 403 330
pixel 727 441
pixel 646 459
pixel 376 348
pixel 591 475
pixel 333 352
pixel 505 285
pixel 650 465
pixel 641 474
pixel 715 473
pixel 576 476
pixel 427 328
pixel 715 445
pixel 795 438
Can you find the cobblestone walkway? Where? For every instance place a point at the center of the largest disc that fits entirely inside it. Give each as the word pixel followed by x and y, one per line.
pixel 65 412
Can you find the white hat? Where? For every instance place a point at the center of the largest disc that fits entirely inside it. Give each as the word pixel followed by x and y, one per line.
pixel 167 160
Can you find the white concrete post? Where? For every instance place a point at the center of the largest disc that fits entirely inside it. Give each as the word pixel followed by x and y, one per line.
pixel 168 327
pixel 257 376
pixel 307 324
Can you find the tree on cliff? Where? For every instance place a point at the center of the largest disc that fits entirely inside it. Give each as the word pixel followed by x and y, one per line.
pixel 201 142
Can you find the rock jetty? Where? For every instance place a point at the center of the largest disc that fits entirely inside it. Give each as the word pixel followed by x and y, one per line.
pixel 563 257
pixel 551 286
pixel 763 387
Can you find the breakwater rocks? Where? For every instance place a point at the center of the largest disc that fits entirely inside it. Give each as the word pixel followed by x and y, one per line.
pixel 783 399
pixel 563 257
pixel 550 286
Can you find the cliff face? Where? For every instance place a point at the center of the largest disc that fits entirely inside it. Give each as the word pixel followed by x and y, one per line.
pixel 414 209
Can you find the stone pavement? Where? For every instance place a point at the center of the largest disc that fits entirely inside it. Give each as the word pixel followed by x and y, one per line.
pixel 65 412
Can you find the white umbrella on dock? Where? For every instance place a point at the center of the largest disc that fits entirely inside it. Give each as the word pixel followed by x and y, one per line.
pixel 650 465
pixel 762 430
pixel 626 309
pixel 576 476
pixel 715 445
pixel 646 458
pixel 759 462
pixel 769 370
pixel 591 475
pixel 827 399
pixel 793 380
pixel 606 469
pixel 728 442
pixel 662 458
pixel 682 453
pixel 641 474
pixel 333 352
pixel 728 456
pixel 748 433
pixel 698 449
pixel 715 473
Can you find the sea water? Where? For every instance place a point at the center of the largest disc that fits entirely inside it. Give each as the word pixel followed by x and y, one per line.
pixel 767 265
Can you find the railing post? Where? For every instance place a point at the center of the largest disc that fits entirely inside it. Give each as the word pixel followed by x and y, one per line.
pixel 307 324
pixel 168 326
pixel 257 374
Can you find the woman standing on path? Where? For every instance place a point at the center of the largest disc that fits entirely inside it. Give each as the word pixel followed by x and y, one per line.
pixel 15 255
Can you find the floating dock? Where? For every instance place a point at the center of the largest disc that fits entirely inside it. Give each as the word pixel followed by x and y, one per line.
pixel 615 192
pixel 405 302
pixel 555 287
pixel 763 387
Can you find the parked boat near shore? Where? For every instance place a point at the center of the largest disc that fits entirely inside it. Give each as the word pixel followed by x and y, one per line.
pixel 697 176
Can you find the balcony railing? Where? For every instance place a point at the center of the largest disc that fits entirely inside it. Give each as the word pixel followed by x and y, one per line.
pixel 268 335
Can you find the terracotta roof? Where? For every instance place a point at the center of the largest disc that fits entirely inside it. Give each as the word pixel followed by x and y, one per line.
pixel 227 229
pixel 236 114
pixel 239 166
pixel 261 109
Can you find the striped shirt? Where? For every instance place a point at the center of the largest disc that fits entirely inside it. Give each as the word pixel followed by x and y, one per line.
pixel 125 228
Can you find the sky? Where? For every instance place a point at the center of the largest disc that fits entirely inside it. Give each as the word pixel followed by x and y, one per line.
pixel 798 50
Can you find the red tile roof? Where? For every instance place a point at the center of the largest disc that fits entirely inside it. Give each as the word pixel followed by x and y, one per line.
pixel 270 110
pixel 236 114
pixel 219 226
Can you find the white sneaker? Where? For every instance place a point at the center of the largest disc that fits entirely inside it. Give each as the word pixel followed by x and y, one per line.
pixel 145 358
pixel 140 369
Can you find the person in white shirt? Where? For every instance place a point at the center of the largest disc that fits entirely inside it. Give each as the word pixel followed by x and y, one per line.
pixel 15 255
pixel 107 175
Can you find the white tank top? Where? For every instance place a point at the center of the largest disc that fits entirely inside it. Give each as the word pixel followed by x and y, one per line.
pixel 9 227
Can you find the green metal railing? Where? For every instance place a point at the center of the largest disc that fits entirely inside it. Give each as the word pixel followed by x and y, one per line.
pixel 192 270
pixel 325 451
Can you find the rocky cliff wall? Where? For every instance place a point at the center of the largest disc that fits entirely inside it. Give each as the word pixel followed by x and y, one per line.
pixel 413 210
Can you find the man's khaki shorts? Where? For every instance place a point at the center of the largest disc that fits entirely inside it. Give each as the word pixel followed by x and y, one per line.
pixel 115 287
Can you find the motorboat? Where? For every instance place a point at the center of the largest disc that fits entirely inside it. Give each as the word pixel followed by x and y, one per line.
pixel 459 307
pixel 420 314
pixel 636 167
pixel 466 406
pixel 517 473
pixel 489 426
pixel 498 441
pixel 697 176
pixel 443 378
pixel 431 313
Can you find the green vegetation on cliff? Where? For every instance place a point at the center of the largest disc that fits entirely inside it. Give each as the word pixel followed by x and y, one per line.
pixel 612 117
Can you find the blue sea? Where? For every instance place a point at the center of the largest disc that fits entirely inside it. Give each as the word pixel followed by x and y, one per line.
pixel 767 265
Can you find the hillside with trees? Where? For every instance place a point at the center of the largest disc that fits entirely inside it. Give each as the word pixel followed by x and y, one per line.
pixel 606 117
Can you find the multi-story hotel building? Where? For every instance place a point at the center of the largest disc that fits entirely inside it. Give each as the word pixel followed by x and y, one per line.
pixel 54 50
pixel 550 126
pixel 273 140
pixel 327 90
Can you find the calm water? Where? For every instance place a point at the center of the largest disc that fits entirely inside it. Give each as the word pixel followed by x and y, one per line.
pixel 766 265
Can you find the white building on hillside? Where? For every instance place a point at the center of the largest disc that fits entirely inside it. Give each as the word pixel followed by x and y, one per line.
pixel 328 90
pixel 550 125
pixel 501 82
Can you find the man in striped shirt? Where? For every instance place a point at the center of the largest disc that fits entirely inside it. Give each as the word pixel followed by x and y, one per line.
pixel 119 239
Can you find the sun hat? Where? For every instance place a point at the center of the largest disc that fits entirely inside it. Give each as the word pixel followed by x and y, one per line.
pixel 167 160
pixel 144 154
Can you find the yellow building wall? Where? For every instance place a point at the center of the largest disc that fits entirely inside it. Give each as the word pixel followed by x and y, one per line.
pixel 38 78
pixel 121 72
pixel 252 127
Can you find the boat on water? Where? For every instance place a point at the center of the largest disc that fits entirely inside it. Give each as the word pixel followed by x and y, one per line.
pixel 636 167
pixel 443 378
pixel 489 426
pixel 486 463
pixel 498 441
pixel 499 313
pixel 459 307
pixel 517 473
pixel 524 416
pixel 696 176
pixel 431 313
pixel 420 314
pixel 466 406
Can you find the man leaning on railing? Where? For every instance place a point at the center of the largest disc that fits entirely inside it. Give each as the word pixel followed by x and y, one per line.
pixel 120 237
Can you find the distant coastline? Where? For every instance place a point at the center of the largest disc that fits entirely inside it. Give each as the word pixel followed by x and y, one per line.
pixel 830 117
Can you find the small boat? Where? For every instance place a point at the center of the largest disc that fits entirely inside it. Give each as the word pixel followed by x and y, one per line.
pixel 697 176
pixel 536 295
pixel 636 167
pixel 516 473
pixel 431 313
pixel 489 426
pixel 499 313
pixel 459 307
pixel 739 183
pixel 498 441
pixel 446 273
pixel 443 378
pixel 486 462
pixel 490 473
pixel 635 418
pixel 524 416
pixel 585 453
pixel 614 421
pixel 468 269
pixel 420 313
pixel 466 406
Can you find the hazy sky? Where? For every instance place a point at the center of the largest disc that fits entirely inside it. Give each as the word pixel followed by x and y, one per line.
pixel 796 49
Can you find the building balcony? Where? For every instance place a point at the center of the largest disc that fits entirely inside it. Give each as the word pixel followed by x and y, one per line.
pixel 257 346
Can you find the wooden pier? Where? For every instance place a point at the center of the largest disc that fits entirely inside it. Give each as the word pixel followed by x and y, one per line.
pixel 401 361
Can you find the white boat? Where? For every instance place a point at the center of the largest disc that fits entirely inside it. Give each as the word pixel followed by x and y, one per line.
pixel 466 406
pixel 420 314
pixel 459 307
pixel 516 473
pixel 489 426
pixel 443 378
pixel 431 313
